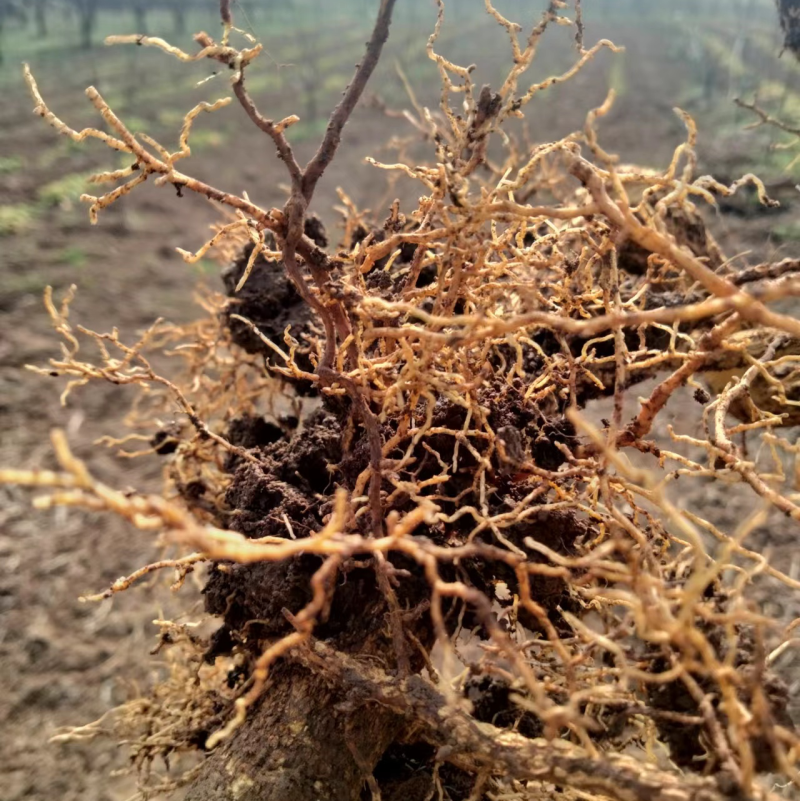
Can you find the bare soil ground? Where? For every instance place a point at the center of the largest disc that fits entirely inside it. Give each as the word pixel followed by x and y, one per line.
pixel 63 662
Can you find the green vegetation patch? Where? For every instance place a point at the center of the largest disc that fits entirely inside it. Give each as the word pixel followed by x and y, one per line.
pixel 309 129
pixel 64 191
pixel 617 79
pixel 786 232
pixel 74 256
pixel 11 164
pixel 16 218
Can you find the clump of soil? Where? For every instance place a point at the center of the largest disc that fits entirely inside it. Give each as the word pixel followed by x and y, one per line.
pixel 405 773
pixel 291 492
pixel 166 439
pixel 560 531
pixel 491 703
pixel 289 497
pixel 689 231
pixel 270 301
pixel 249 431
pixel 688 744
pixel 315 230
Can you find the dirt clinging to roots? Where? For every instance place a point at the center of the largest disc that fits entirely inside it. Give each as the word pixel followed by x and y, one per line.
pixel 271 302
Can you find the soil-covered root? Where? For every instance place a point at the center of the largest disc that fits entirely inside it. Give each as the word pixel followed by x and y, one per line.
pixel 272 303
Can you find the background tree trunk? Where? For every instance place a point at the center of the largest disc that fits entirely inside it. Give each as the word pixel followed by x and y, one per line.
pixel 140 17
pixel 179 18
pixel 86 28
pixel 40 17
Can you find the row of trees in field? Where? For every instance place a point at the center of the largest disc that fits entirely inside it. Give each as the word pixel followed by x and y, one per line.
pixel 44 16
pixel 40 14
pixel 42 19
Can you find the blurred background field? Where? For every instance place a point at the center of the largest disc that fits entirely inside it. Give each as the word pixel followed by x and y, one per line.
pixel 56 652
